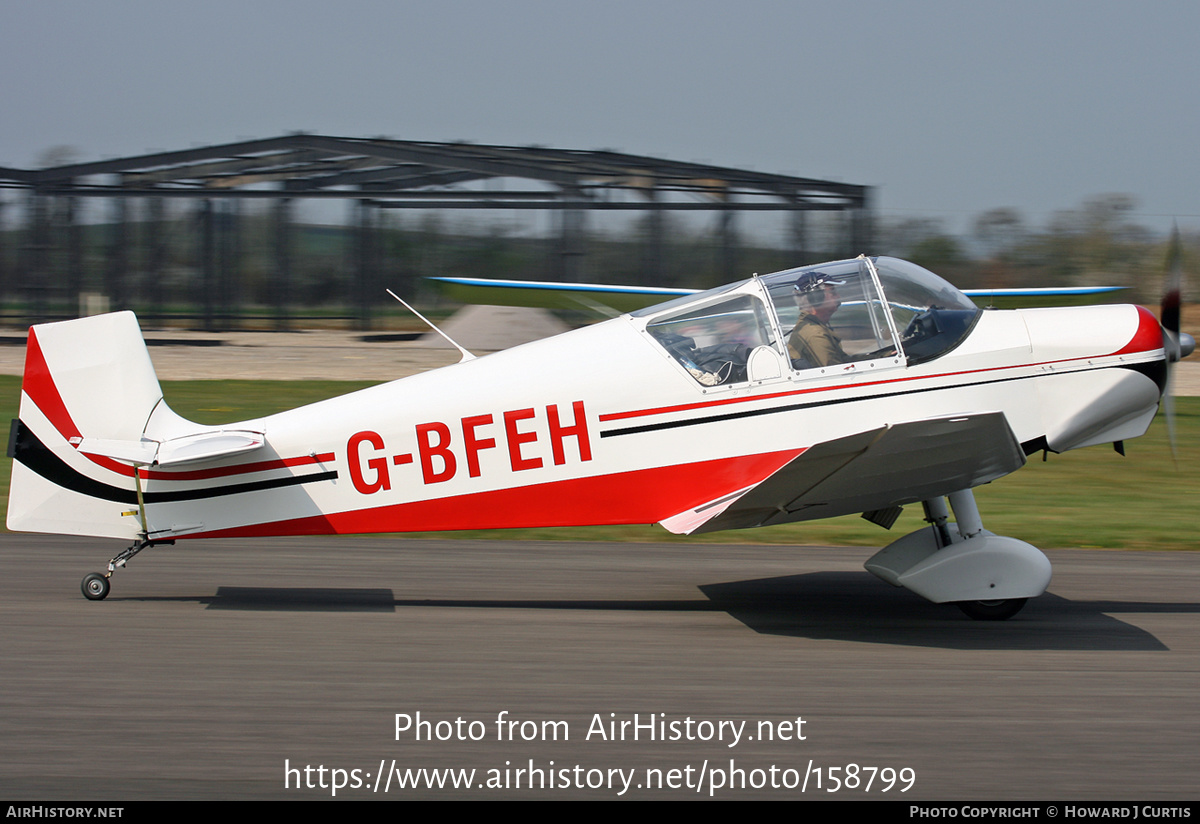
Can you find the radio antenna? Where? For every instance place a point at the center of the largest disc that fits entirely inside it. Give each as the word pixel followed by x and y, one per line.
pixel 466 356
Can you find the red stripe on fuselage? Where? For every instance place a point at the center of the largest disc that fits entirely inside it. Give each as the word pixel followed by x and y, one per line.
pixel 643 496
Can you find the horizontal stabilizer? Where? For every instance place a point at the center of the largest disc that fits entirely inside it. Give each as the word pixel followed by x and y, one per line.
pixel 890 466
pixel 202 446
pixel 135 452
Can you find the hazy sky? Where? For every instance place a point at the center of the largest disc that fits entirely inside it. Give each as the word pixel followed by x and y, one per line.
pixel 950 108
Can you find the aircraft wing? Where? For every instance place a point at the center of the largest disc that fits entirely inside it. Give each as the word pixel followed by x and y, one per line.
pixel 1043 296
pixel 893 465
pixel 546 295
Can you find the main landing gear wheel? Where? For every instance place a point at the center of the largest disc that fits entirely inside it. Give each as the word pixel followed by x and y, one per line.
pixel 94 586
pixel 992 610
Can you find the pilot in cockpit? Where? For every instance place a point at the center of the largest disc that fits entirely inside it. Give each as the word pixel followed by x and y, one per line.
pixel 812 343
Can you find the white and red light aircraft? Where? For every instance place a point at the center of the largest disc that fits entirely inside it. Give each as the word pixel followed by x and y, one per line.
pixel 694 414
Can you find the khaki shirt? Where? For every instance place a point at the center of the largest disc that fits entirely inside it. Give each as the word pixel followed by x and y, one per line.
pixel 815 342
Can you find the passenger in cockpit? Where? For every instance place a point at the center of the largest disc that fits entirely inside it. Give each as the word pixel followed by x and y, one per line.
pixel 812 343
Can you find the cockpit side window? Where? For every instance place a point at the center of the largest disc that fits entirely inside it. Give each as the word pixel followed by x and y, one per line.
pixel 713 342
pixel 831 314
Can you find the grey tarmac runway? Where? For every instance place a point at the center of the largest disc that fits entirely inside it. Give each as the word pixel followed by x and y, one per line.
pixel 212 666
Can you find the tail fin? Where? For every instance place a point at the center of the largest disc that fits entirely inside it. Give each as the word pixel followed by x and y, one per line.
pixel 88 379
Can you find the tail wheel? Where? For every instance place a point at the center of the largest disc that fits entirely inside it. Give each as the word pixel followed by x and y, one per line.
pixel 992 610
pixel 94 586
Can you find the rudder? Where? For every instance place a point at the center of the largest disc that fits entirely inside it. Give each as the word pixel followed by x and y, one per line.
pixel 88 378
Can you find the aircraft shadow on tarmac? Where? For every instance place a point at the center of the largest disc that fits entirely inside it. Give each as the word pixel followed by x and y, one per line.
pixel 843 606
pixel 303 599
pixel 855 606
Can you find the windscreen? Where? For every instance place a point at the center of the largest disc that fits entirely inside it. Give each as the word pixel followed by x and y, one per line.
pixel 933 317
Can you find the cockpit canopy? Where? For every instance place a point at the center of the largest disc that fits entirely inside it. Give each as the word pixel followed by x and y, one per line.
pixel 818 320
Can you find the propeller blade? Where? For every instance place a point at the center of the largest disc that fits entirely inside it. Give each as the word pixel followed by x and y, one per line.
pixel 1172 295
pixel 1168 407
pixel 1169 316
